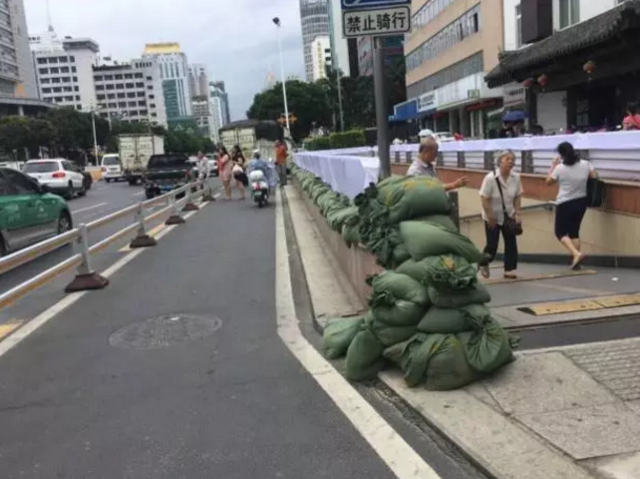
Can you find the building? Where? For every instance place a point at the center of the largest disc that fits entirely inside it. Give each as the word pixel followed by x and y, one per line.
pixel 198 80
pixel 224 99
pixel 451 47
pixel 64 70
pixel 174 73
pixel 339 45
pixel 575 62
pixel 321 57
pixel 314 16
pixel 202 114
pixel 216 109
pixel 18 87
pixel 393 50
pixel 130 92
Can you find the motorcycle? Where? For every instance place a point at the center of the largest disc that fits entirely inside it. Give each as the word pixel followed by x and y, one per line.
pixel 259 188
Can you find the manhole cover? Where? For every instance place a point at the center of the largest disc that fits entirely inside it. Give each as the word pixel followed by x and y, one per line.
pixel 164 331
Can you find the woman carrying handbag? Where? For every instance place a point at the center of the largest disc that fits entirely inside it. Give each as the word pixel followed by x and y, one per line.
pixel 501 195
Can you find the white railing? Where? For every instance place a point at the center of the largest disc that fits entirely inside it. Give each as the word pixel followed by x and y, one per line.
pixel 86 277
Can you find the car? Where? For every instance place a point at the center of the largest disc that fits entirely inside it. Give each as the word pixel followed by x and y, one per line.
pixel 444 136
pixel 61 176
pixel 213 167
pixel 29 213
pixel 111 168
pixel 167 172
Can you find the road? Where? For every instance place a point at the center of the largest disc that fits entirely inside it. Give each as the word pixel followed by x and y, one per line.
pixel 192 364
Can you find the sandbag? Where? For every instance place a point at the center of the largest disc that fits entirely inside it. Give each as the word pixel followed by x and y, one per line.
pixel 413 197
pixel 339 334
pixel 351 234
pixel 489 349
pixel 424 239
pixel 389 287
pixel 413 269
pixel 454 321
pixel 402 313
pixel 476 294
pixel 364 357
pixel 449 272
pixel 340 216
pixel 444 221
pixel 388 335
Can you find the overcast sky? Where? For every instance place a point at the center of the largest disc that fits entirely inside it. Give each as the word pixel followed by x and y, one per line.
pixel 236 39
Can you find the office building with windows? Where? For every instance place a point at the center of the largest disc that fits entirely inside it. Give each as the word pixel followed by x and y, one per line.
pixel 314 16
pixel 198 80
pixel 216 110
pixel 339 44
pixel 174 73
pixel 64 70
pixel 571 64
pixel 321 57
pixel 221 93
pixel 130 92
pixel 452 45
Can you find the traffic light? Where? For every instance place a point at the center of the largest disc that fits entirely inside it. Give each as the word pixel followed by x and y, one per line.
pixel 292 119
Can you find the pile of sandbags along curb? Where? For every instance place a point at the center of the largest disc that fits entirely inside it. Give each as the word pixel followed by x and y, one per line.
pixel 427 312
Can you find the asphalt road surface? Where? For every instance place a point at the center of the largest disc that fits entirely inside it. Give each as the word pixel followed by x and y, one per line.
pixel 187 366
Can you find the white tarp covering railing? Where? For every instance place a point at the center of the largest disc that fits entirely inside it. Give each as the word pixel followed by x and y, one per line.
pixel 616 155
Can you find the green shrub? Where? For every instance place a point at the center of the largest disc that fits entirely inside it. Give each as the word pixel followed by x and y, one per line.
pixel 336 141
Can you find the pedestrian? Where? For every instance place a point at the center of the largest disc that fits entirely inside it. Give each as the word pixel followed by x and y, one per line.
pixel 225 168
pixel 632 120
pixel 424 165
pixel 572 175
pixel 239 175
pixel 501 196
pixel 203 169
pixel 281 161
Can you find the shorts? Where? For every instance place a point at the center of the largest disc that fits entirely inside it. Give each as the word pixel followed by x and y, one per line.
pixel 569 218
pixel 241 178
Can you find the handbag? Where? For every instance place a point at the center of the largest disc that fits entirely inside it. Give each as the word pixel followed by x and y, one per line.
pixel 510 226
pixel 596 193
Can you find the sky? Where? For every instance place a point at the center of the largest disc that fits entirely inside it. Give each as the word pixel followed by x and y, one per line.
pixel 235 39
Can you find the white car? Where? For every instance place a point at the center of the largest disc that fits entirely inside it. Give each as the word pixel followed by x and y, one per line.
pixel 61 176
pixel 444 136
pixel 111 168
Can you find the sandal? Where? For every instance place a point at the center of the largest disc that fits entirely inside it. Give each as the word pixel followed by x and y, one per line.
pixel 510 276
pixel 576 265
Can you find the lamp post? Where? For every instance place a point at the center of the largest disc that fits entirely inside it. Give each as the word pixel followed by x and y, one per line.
pixel 276 21
pixel 95 135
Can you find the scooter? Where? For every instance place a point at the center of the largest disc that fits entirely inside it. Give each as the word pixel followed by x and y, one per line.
pixel 259 188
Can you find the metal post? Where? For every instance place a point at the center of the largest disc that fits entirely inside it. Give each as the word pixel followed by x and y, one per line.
pixel 340 109
pixel 284 81
pixel 175 218
pixel 95 135
pixel 190 206
pixel 86 278
pixel 142 239
pixel 382 119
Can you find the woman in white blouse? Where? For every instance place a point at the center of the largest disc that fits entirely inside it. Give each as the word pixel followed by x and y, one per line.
pixel 501 194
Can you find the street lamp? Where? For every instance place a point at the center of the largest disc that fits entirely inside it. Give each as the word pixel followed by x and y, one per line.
pixel 95 135
pixel 276 21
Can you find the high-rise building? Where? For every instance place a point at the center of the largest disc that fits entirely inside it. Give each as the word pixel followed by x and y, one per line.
pixel 339 44
pixel 314 16
pixel 320 57
pixel 224 99
pixel 216 105
pixel 64 70
pixel 17 78
pixel 198 80
pixel 174 72
pixel 130 92
pixel 203 116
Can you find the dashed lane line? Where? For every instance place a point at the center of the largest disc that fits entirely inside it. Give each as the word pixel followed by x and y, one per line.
pixel 88 208
pixel 399 456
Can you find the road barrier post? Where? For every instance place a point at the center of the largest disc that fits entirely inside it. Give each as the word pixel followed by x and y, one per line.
pixel 190 206
pixel 142 239
pixel 86 278
pixel 175 218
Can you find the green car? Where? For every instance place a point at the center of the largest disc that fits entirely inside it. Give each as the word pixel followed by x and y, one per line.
pixel 28 212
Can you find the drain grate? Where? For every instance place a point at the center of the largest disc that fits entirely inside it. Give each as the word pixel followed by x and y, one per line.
pixel 164 331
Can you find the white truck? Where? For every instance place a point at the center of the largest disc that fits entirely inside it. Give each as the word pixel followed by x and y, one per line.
pixel 135 151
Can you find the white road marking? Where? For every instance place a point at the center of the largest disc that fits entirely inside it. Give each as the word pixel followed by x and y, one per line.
pixel 88 208
pixel 138 194
pixel 21 334
pixel 388 444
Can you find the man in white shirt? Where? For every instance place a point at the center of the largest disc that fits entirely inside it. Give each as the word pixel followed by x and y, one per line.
pixel 424 165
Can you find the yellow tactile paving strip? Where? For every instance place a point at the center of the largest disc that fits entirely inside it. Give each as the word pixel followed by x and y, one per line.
pixel 590 304
pixel 539 277
pixel 9 327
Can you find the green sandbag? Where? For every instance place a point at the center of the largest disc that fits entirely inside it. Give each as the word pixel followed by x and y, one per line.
pixel 441 220
pixel 388 335
pixel 403 313
pixel 339 334
pixel 454 321
pixel 351 234
pixel 339 216
pixel 399 352
pixel 476 294
pixel 449 272
pixel 447 368
pixel 390 286
pixel 413 197
pixel 364 357
pixel 399 255
pixel 489 349
pixel 413 269
pixel 424 239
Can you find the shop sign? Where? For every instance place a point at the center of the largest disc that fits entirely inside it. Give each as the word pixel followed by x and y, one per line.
pixel 427 101
pixel 514 95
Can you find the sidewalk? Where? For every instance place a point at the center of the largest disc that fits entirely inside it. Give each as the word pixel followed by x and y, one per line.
pixel 562 413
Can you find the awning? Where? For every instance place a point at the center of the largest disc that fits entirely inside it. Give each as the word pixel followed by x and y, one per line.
pixel 568 41
pixel 515 115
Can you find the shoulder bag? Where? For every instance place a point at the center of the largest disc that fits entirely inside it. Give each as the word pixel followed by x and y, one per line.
pixel 510 225
pixel 596 193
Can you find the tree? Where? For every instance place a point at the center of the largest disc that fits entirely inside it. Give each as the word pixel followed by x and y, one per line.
pixel 15 134
pixel 307 101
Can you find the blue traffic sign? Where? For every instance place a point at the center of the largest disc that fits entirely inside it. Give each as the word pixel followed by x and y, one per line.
pixel 364 4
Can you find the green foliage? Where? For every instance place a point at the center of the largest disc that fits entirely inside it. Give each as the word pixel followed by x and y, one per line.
pixel 335 141
pixel 319 143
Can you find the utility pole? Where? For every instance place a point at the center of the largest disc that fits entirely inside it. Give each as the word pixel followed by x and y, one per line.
pixel 382 119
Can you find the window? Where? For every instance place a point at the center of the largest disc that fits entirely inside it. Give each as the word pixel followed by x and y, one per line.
pixel 149 87
pixel 76 88
pixel 98 78
pixel 130 85
pixel 139 85
pixel 54 70
pixel 144 112
pixel 100 97
pixel 65 80
pixel 57 90
pixel 72 59
pixel 154 115
pixel 46 90
pixel 69 98
pixel 108 78
pixel 122 104
pixel 67 89
pixel 133 104
pixel 121 95
pixel 111 87
pixel 73 70
pixel 118 77
pixel 119 86
pixel 149 79
pixel 113 105
pixel 140 94
pixel 128 76
pixel 142 103
pixel 43 71
pixel 42 61
pixel 139 75
pixel 152 97
pixel 79 107
pixel 46 80
pixel 111 96
pixel 53 60
pixel 518 26
pixel 152 105
pixel 63 59
pixel 100 87
pixel 59 99
pixel 569 12
pixel 131 94
pixel 20 184
pixel 75 79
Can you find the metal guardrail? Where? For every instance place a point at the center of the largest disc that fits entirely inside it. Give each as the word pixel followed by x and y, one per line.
pixel 86 277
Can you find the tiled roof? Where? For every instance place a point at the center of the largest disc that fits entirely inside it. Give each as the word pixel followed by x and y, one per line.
pixel 591 32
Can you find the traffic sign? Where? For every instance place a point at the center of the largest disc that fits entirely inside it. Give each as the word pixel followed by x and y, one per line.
pixel 378 22
pixel 365 4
